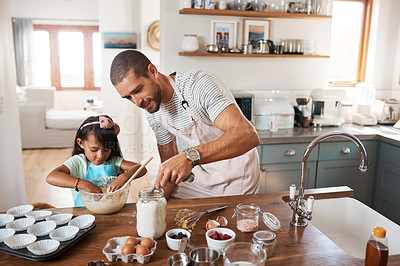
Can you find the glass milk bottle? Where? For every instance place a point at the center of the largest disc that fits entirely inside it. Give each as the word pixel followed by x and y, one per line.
pixel 151 212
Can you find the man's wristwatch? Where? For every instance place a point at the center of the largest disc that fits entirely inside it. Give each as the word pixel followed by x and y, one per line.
pixel 193 155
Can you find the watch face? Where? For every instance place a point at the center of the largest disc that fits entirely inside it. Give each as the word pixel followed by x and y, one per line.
pixel 193 155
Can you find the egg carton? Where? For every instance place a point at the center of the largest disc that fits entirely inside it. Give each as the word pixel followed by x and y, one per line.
pixel 113 248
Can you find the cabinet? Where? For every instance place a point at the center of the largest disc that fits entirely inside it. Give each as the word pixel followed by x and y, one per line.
pixel 329 164
pixel 387 184
pixel 338 164
pixel 281 166
pixel 252 14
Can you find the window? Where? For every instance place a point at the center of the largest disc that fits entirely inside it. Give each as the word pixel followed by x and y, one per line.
pixel 349 39
pixel 67 57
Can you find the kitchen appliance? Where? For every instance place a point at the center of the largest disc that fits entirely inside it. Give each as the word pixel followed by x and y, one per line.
pixel 278 113
pixel 386 111
pixel 325 107
pixel 302 114
pixel 245 101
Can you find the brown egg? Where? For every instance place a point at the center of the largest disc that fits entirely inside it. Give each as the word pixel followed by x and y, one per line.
pixel 132 241
pixel 128 249
pixel 148 242
pixel 142 250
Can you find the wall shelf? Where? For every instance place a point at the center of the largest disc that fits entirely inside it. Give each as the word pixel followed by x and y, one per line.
pixel 258 14
pixel 251 55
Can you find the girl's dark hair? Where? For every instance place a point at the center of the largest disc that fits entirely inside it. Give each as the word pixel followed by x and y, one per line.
pixel 105 136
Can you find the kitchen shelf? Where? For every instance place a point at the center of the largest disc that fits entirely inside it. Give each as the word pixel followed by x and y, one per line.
pixel 251 55
pixel 244 13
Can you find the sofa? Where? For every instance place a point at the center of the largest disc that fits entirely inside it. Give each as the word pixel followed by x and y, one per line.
pixel 42 125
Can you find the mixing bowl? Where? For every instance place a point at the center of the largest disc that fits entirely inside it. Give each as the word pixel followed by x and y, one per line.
pixel 105 203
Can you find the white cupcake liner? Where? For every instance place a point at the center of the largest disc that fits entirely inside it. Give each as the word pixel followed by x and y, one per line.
pixel 60 218
pixel 6 232
pixel 21 224
pixel 5 219
pixel 82 221
pixel 64 233
pixel 20 241
pixel 20 211
pixel 38 215
pixel 113 247
pixel 43 247
pixel 42 228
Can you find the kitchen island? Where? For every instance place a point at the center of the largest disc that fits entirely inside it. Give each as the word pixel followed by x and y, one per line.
pixel 295 246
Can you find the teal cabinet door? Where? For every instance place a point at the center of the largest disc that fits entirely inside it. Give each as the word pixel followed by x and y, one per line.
pixel 279 176
pixel 346 173
pixel 387 185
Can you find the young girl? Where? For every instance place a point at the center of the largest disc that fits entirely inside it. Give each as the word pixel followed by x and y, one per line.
pixel 95 159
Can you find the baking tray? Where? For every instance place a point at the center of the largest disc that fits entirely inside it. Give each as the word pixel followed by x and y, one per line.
pixel 64 245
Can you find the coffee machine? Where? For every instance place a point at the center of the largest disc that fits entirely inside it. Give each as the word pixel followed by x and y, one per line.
pixel 302 114
pixel 326 105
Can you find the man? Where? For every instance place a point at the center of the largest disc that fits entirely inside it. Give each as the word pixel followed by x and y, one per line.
pixel 197 108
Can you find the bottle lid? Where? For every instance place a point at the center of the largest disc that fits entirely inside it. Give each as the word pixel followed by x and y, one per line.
pixel 264 237
pixel 379 232
pixel 271 221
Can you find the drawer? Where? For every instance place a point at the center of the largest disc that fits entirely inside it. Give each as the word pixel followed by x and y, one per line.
pixel 286 153
pixel 343 150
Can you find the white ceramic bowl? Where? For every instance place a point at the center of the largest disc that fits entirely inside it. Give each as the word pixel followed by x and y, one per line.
pixel 5 219
pixel 64 233
pixel 174 243
pixel 42 228
pixel 6 232
pixel 20 241
pixel 21 224
pixel 43 247
pixel 219 245
pixel 60 218
pixel 20 211
pixel 82 221
pixel 38 215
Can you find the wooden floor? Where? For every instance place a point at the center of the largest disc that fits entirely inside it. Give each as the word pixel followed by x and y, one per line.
pixel 37 165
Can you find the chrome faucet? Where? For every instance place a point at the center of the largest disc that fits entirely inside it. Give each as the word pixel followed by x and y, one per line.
pixel 301 210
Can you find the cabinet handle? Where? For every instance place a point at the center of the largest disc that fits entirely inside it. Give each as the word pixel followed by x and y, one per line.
pixel 290 153
pixel 345 150
pixel 263 169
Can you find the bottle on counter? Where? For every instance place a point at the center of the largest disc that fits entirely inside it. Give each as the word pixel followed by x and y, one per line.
pixel 377 248
pixel 151 212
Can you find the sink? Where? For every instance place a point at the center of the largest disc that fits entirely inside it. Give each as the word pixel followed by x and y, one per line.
pixel 349 224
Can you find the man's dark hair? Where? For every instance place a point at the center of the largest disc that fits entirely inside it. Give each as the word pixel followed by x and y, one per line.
pixel 126 61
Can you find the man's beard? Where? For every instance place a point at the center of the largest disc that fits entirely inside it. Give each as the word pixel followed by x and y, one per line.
pixel 156 99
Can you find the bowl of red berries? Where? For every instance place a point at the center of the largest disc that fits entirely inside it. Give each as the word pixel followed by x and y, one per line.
pixel 218 238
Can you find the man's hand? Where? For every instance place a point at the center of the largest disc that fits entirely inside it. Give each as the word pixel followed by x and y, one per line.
pixel 173 170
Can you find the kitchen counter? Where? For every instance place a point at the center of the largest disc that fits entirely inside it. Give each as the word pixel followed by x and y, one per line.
pixel 388 134
pixel 295 246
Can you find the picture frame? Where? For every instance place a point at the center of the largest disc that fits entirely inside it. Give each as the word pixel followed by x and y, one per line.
pixel 223 32
pixel 256 29
pixel 120 40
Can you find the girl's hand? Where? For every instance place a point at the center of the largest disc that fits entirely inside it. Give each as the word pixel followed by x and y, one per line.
pixel 117 183
pixel 89 186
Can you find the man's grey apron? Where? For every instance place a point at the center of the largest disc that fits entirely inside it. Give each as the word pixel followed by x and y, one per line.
pixel 239 175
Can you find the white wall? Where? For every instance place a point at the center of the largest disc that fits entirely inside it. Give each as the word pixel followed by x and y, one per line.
pixel 246 73
pixel 382 62
pixel 12 186
pixel 137 140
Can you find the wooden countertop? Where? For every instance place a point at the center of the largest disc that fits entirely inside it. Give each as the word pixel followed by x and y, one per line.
pixel 295 246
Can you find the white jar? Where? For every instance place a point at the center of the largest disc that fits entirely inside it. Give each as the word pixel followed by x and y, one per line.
pixel 190 43
pixel 151 212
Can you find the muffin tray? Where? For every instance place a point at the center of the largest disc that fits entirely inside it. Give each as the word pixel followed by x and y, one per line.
pixel 64 245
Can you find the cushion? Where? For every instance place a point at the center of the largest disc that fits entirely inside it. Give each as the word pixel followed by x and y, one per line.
pixel 67 119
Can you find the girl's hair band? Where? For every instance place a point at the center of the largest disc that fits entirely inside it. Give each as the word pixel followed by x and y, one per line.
pixel 104 122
